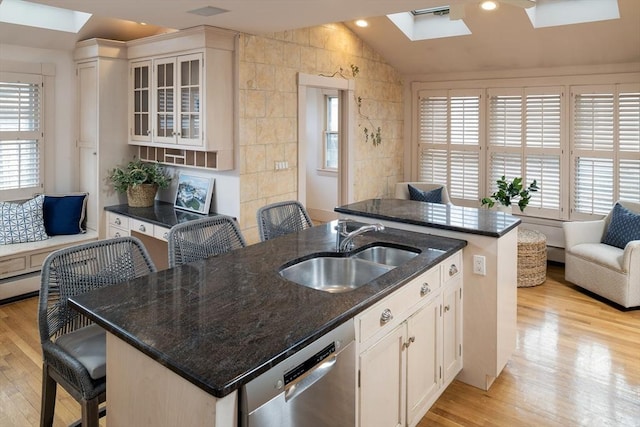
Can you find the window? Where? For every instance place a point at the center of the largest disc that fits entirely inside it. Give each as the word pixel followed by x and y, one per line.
pixel 20 134
pixel 524 140
pixel 449 142
pixel 584 153
pixel 605 147
pixel 331 135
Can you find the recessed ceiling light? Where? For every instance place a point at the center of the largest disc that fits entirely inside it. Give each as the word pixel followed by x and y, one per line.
pixel 362 23
pixel 208 11
pixel 489 5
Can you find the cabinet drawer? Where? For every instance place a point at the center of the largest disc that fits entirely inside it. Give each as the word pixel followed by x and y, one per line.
pixel 452 267
pixel 376 318
pixel 160 233
pixel 426 284
pixel 118 220
pixel 141 227
pixel 12 265
pixel 36 259
pixel 116 232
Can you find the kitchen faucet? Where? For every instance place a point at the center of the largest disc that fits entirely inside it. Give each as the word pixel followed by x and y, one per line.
pixel 344 240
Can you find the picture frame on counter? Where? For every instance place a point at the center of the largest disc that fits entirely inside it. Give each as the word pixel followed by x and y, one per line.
pixel 194 192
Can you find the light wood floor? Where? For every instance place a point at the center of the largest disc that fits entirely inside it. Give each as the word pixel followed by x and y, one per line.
pixel 577 363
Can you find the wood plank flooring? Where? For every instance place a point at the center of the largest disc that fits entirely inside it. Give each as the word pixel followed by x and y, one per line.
pixel 577 363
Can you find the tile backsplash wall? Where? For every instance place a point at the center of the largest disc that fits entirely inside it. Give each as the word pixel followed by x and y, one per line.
pixel 268 110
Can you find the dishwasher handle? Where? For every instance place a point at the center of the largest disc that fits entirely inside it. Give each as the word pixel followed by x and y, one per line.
pixel 310 378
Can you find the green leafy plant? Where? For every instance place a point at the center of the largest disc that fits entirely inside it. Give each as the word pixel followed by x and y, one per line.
pixel 136 172
pixel 509 192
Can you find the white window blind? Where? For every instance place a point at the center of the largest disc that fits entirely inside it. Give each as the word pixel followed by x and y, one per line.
pixel 629 143
pixel 524 134
pixel 20 134
pixel 449 142
pixel 605 147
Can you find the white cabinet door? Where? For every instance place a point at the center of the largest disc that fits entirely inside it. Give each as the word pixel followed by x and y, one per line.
pixel 177 100
pixel 189 114
pixel 140 99
pixel 423 360
pixel 164 100
pixel 382 381
pixel 87 90
pixel 452 329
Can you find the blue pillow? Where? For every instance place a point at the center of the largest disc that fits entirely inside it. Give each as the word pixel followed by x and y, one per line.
pixel 623 227
pixel 431 196
pixel 64 214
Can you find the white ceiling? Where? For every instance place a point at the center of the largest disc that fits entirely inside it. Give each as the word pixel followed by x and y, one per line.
pixel 503 39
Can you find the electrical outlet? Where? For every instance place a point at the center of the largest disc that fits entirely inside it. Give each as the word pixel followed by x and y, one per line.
pixel 479 265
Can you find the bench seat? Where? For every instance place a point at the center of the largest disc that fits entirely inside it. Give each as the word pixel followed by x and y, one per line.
pixel 20 263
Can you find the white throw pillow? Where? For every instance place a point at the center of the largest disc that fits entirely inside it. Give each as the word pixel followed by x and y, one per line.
pixel 22 222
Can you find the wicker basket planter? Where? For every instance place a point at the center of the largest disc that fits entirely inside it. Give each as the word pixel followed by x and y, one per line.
pixel 141 196
pixel 532 258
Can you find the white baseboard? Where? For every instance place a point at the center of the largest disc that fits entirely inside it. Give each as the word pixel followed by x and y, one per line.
pixel 20 285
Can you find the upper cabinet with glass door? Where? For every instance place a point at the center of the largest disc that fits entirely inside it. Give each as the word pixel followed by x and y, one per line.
pixel 177 103
pixel 182 92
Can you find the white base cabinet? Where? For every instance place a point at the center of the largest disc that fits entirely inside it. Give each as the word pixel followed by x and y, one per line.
pixel 410 347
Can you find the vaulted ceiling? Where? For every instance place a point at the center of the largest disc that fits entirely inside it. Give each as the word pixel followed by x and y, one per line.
pixel 500 40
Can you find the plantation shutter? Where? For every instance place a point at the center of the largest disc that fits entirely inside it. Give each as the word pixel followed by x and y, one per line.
pixel 449 142
pixel 20 134
pixel 629 142
pixel 605 147
pixel 524 141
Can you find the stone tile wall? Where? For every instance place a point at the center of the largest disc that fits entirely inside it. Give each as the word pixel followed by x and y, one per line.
pixel 268 110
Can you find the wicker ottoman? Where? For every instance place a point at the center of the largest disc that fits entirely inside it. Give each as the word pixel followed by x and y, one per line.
pixel 532 258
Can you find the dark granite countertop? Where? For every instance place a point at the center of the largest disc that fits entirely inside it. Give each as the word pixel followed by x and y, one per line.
pixel 447 217
pixel 223 321
pixel 161 213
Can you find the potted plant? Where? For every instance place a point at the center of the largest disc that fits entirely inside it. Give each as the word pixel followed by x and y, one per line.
pixel 510 192
pixel 140 181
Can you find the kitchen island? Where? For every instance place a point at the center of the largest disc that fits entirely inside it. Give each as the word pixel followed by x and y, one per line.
pixel 206 328
pixel 490 272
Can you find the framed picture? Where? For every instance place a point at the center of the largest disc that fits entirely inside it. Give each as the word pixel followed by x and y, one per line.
pixel 194 192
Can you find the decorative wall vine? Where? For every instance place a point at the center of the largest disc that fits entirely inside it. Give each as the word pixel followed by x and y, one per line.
pixel 374 134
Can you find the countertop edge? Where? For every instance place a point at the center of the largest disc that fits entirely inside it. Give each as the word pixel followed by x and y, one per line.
pixel 501 233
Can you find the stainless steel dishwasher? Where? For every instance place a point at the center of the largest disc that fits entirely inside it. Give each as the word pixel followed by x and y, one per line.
pixel 314 387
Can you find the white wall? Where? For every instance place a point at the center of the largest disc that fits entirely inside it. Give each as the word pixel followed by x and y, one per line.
pixel 226 190
pixel 322 186
pixel 60 160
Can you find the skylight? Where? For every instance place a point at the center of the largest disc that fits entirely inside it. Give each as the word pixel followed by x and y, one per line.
pixel 41 16
pixel 427 24
pixel 553 13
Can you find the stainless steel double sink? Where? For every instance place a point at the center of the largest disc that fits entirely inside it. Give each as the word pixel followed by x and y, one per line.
pixel 336 273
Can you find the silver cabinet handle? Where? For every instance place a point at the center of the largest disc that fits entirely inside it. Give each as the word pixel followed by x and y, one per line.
pixel 165 235
pixel 408 343
pixel 117 221
pixel 453 270
pixel 117 234
pixel 386 316
pixel 142 228
pixel 424 289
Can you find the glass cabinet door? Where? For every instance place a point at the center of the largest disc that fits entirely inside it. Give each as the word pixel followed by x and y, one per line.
pixel 140 127
pixel 164 103
pixel 190 89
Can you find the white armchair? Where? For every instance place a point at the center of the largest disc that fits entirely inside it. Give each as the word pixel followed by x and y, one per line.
pixel 605 270
pixel 402 191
